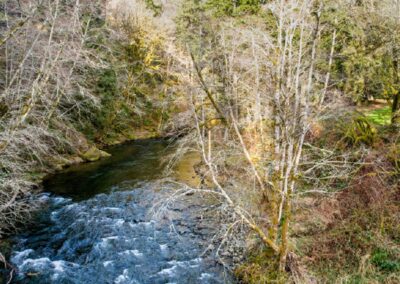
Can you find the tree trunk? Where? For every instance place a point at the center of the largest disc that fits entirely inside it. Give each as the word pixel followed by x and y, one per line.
pixel 396 110
pixel 285 233
pixel 396 98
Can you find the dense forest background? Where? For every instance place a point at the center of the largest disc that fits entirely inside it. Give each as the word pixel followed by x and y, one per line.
pixel 293 107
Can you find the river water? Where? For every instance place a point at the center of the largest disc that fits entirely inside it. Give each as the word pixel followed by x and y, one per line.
pixel 96 227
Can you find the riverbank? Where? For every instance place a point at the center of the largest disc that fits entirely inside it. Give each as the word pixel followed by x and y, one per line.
pixel 111 82
pixel 347 232
pixel 92 154
pixel 116 196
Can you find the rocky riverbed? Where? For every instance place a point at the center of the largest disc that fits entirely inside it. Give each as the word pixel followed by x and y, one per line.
pixel 99 225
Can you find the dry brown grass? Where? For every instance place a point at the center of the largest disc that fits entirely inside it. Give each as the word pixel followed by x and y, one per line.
pixel 360 222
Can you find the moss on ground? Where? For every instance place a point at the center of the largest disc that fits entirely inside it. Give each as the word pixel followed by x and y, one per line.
pixel 94 154
pixel 380 116
pixel 262 266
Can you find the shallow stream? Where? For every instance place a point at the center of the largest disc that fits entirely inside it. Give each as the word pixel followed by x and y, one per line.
pixel 95 227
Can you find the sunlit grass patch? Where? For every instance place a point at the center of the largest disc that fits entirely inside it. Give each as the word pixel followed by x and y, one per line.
pixel 380 116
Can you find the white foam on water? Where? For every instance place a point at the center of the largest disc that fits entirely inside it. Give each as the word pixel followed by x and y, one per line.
pixel 44 197
pixel 107 263
pixel 60 200
pixel 106 239
pixel 113 242
pixel 132 225
pixel 135 252
pixel 55 277
pixel 53 216
pixel 191 263
pixel 112 209
pixel 59 265
pixel 70 206
pixel 205 276
pixel 105 242
pixel 168 271
pixel 163 247
pixel 80 220
pixel 119 222
pixel 148 224
pixel 35 263
pixel 20 256
pixel 174 262
pixel 195 262
pixel 105 219
pixel 194 266
pixel 123 278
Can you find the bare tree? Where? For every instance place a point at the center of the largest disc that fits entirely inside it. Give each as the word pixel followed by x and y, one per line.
pixel 50 53
pixel 252 109
pixel 42 89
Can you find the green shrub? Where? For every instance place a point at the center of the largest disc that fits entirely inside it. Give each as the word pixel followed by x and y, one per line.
pixel 384 261
pixel 234 8
pixel 107 91
pixel 380 116
pixel 359 131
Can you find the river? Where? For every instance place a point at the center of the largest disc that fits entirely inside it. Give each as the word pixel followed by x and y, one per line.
pixel 96 226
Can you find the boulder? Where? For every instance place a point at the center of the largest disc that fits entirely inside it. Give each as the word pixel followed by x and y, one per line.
pixel 94 154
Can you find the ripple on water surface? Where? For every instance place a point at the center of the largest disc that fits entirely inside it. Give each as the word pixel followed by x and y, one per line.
pixel 109 239
pixel 103 233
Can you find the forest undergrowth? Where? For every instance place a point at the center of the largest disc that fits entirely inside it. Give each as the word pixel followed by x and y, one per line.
pixel 273 96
